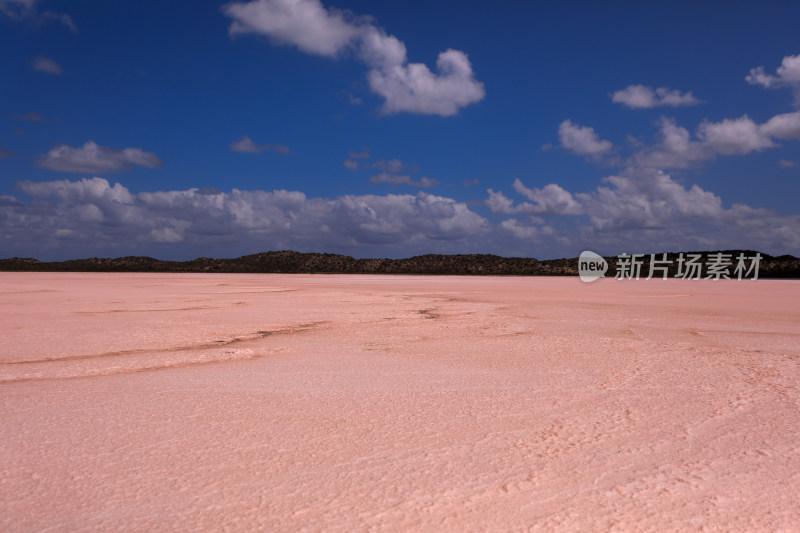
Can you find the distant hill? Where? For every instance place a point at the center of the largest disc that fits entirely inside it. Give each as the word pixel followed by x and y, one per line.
pixel 785 266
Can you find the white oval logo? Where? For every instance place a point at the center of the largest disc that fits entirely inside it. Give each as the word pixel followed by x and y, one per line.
pixel 591 266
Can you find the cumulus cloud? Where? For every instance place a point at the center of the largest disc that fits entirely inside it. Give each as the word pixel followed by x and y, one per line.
pixel 582 140
pixel 784 126
pixel 306 24
pixel 46 65
pixel 654 201
pixel 414 88
pixel 552 199
pixel 677 148
pixel 644 97
pixel 95 212
pixel 405 87
pixel 642 204
pixel 94 159
pixel 787 75
pixel 632 212
pixel 527 232
pixel 674 149
pixel 246 145
pixel 734 136
pixel 92 216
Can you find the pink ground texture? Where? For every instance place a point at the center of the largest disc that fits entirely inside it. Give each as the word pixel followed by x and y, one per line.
pixel 165 402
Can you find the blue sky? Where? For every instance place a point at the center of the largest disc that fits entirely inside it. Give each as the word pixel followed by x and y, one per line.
pixel 181 129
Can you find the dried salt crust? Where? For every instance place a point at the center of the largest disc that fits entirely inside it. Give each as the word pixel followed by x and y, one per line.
pixel 347 403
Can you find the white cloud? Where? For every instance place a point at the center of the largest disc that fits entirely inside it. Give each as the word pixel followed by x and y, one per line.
pixel 789 71
pixel 414 88
pixel 740 136
pixel 646 210
pixel 785 126
pixel 552 199
pixel 96 214
pixel 626 213
pixel 734 136
pixel 306 24
pixel 675 149
pixel 46 65
pixel 8 200
pixel 246 145
pixel 95 159
pixel 787 75
pixel 526 232
pixel 757 76
pixel 22 10
pixel 648 201
pixel 405 87
pixel 643 206
pixel 582 140
pixel 785 163
pixel 168 235
pixel 87 191
pixel 380 50
pixel 403 179
pixel 643 97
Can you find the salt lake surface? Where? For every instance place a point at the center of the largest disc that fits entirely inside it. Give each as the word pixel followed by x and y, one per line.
pixel 156 402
